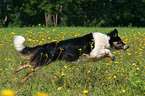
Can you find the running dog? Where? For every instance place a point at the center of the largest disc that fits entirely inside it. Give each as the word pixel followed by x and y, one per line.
pixel 91 46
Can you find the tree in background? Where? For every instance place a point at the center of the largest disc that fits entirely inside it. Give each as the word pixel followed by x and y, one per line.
pixel 3 13
pixel 52 10
pixel 72 12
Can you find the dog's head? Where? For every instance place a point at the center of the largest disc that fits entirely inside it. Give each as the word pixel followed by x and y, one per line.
pixel 116 42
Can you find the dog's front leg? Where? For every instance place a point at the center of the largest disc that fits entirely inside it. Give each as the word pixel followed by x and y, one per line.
pixel 99 54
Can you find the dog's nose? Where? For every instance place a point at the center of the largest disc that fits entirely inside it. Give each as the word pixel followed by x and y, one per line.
pixel 125 47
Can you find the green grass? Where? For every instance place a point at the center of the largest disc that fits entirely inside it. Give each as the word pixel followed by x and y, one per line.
pixel 125 76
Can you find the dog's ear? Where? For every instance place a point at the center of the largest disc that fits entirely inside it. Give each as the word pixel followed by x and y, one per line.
pixel 113 33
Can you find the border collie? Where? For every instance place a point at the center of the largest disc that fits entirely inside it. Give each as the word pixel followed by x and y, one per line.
pixel 91 46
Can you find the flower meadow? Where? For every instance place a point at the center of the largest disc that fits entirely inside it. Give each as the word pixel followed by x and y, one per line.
pixel 123 77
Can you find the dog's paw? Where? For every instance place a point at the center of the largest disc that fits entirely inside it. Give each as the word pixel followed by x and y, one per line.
pixel 113 58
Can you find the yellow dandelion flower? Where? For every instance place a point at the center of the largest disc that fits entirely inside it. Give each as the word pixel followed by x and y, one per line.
pixel 30 40
pixel 114 52
pixel 133 64
pixel 54 76
pixel 85 91
pixel 41 94
pixel 46 55
pixel 59 88
pixel 84 54
pixel 118 70
pixel 32 69
pixel 48 37
pixel 106 72
pixel 12 33
pixel 123 91
pixel 54 30
pixel 15 78
pixel 136 73
pixel 88 71
pixel 53 80
pixel 109 78
pixel 128 54
pixel 62 74
pixel 61 49
pixel 28 58
pixel 43 39
pixel 80 49
pixel 54 40
pixel 116 62
pixel 7 93
pixel 137 68
pixel 65 66
pixel 114 76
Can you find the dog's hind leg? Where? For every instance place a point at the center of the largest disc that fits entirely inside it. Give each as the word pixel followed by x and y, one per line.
pixel 38 61
pixel 30 73
pixel 21 67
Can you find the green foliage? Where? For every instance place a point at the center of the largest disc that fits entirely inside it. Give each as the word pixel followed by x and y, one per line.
pixel 73 13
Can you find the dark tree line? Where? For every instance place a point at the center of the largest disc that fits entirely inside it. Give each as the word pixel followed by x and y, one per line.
pixel 72 13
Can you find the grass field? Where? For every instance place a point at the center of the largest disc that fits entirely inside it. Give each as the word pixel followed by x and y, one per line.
pixel 123 77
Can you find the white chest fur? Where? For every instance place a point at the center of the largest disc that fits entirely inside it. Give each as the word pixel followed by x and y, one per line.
pixel 101 41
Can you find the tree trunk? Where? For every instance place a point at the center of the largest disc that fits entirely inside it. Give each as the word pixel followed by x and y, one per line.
pixel 49 19
pixel 46 20
pixel 56 20
pixel 60 15
pixel 5 20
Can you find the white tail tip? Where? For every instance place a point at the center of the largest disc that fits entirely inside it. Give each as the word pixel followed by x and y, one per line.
pixel 18 42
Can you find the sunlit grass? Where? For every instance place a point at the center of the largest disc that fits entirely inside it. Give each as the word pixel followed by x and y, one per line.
pixel 125 76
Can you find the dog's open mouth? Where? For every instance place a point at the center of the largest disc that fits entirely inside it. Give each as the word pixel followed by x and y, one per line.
pixel 124 48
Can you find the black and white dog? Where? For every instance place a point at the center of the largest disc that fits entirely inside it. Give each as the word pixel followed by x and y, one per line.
pixel 91 46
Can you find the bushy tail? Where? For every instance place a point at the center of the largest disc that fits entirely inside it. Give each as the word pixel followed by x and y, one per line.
pixel 18 43
pixel 24 50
